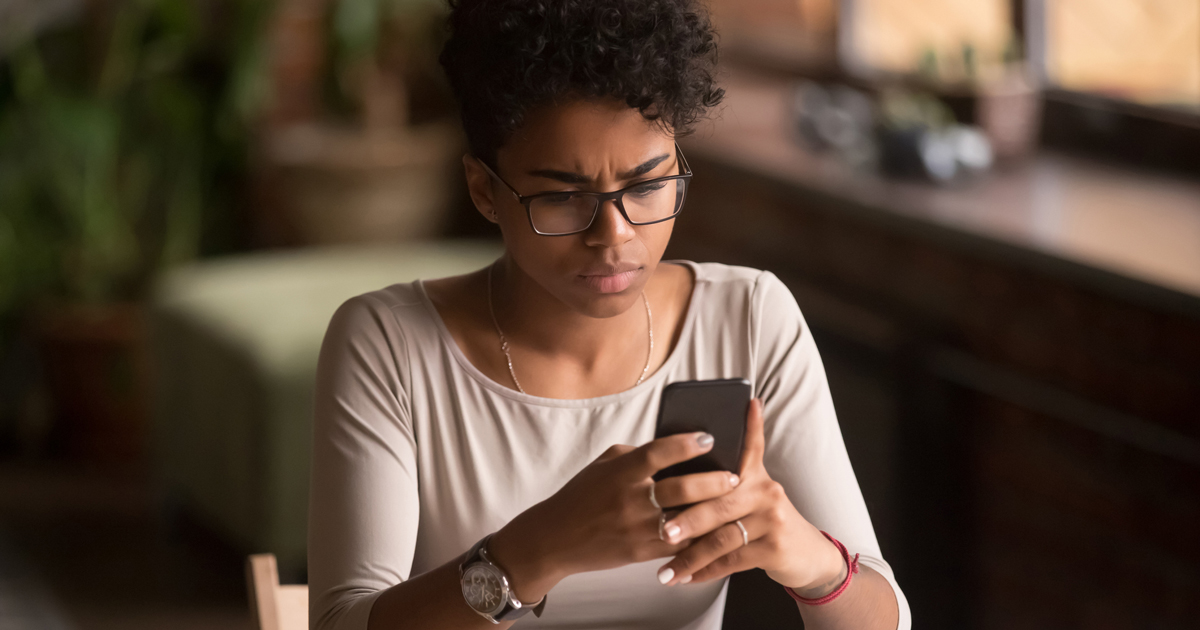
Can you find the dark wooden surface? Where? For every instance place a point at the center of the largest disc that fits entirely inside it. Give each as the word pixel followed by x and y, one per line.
pixel 1015 363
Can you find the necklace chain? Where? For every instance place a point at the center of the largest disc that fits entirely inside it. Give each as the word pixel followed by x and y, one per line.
pixel 508 358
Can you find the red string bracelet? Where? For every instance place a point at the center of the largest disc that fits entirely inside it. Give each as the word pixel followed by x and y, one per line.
pixel 851 563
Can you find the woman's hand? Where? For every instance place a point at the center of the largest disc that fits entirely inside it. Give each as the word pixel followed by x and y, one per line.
pixel 603 518
pixel 781 541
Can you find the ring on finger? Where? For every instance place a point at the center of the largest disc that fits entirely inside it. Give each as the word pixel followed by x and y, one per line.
pixel 745 536
pixel 653 500
pixel 662 521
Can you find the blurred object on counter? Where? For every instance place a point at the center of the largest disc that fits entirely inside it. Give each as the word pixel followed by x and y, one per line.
pixel 908 134
pixel 1005 101
pixel 118 148
pixel 374 157
pixel 918 137
pixel 1009 110
pixel 838 118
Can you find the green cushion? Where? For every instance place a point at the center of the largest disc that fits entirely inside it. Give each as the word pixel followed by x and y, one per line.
pixel 235 343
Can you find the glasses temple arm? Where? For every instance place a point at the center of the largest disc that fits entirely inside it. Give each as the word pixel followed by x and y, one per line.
pixel 683 160
pixel 501 180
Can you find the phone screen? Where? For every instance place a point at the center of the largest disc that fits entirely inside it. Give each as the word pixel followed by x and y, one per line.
pixel 718 407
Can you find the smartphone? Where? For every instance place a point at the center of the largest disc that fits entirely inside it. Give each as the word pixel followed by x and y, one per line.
pixel 718 407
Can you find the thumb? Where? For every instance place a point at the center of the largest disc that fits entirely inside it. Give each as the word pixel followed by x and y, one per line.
pixel 615 451
pixel 752 450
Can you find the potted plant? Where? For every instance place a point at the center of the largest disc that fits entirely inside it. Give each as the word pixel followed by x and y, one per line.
pixel 377 164
pixel 108 163
pixel 999 95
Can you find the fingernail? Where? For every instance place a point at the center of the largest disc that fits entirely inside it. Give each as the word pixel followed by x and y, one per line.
pixel 672 531
pixel 665 574
pixel 733 480
pixel 705 440
pixel 685 580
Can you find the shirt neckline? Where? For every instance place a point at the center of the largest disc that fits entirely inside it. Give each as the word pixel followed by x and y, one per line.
pixel 599 401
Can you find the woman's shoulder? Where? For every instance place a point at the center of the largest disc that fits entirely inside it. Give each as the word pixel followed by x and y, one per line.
pixel 734 283
pixel 392 308
pixel 745 300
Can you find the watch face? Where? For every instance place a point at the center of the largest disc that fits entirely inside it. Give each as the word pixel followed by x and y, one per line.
pixel 484 589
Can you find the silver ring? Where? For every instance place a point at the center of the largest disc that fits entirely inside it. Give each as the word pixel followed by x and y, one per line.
pixel 745 536
pixel 654 500
pixel 662 521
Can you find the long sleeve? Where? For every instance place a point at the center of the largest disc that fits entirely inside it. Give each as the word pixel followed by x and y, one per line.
pixel 804 448
pixel 363 504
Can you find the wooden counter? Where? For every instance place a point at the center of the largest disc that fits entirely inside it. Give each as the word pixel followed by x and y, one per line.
pixel 1136 234
pixel 1015 361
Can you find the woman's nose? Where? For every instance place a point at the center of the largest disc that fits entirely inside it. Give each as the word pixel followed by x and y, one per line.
pixel 609 228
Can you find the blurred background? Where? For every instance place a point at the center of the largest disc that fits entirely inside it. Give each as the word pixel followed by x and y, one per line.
pixel 988 210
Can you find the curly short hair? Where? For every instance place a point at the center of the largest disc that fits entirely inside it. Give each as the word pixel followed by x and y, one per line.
pixel 505 57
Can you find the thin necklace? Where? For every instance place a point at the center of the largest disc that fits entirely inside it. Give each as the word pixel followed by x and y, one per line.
pixel 508 358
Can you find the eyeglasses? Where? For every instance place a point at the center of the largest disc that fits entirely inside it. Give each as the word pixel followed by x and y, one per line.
pixel 572 211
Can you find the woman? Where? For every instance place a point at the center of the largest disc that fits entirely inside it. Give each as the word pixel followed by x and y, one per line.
pixel 496 428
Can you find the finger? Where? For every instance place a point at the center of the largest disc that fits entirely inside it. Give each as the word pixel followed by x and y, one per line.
pixel 614 451
pixel 656 527
pixel 738 560
pixel 707 516
pixel 694 488
pixel 653 456
pixel 656 547
pixel 752 451
pixel 721 551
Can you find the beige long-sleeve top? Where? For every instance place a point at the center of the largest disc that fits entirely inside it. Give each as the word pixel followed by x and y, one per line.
pixel 417 454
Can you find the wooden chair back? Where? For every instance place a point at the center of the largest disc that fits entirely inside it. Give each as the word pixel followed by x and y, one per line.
pixel 274 606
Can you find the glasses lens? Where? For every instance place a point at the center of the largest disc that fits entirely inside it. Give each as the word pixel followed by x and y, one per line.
pixel 654 201
pixel 562 213
pixel 570 212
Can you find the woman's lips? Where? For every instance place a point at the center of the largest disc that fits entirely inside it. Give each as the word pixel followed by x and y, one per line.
pixel 610 283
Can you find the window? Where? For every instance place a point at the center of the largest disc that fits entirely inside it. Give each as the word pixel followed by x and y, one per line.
pixel 1140 50
pixel 947 40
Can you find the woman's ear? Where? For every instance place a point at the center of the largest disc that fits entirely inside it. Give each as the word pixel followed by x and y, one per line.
pixel 480 185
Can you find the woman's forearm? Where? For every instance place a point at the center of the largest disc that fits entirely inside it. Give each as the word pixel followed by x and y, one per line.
pixel 869 603
pixel 434 599
pixel 430 600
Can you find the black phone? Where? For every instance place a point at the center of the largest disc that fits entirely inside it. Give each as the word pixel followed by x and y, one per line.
pixel 718 407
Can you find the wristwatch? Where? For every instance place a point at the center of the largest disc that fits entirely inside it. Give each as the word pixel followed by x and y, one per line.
pixel 487 589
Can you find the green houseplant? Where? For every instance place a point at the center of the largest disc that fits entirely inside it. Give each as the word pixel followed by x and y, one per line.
pixel 118 135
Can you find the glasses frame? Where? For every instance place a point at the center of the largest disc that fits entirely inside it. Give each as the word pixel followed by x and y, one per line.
pixel 617 196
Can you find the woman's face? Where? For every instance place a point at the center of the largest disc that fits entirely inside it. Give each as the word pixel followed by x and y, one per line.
pixel 598 146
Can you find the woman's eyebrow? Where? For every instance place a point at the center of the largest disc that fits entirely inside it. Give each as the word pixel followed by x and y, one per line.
pixel 576 178
pixel 643 168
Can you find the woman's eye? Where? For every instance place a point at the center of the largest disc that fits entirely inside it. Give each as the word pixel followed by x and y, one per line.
pixel 559 198
pixel 646 189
